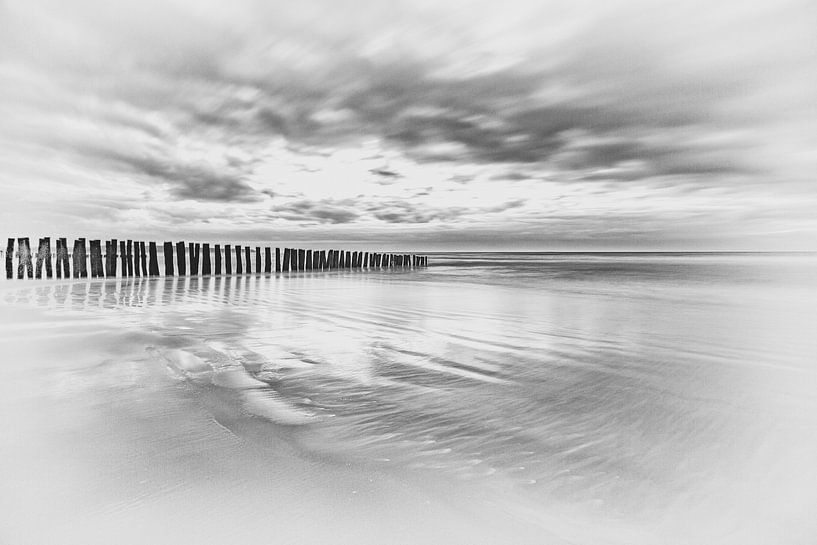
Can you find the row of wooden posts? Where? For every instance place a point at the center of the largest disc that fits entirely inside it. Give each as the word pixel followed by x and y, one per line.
pixel 140 259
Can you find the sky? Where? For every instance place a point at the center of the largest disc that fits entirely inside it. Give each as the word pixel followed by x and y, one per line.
pixel 412 125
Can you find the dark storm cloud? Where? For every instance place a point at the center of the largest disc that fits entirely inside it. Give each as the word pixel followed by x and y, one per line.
pixel 184 180
pixel 320 211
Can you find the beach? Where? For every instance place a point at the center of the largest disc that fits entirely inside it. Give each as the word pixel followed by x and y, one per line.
pixel 491 398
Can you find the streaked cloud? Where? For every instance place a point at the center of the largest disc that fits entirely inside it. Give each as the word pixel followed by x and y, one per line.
pixel 553 124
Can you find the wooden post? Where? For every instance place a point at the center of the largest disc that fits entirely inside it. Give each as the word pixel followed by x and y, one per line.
pixel 78 257
pixel 96 259
pixel 277 259
pixel 228 260
pixel 10 259
pixel 38 268
pixel 247 263
pixel 153 267
pixel 24 266
pixel 267 260
pixel 181 258
pixel 217 251
pixel 62 259
pixel 143 258
pixel 205 263
pixel 341 259
pixel 113 256
pixel 137 258
pixel 123 258
pixel 238 267
pixel 129 249
pixel 168 255
pixel 194 251
pixel 316 260
pixel 328 265
pixel 301 260
pixel 107 259
pixel 308 262
pixel 335 258
pixel 257 259
pixel 286 260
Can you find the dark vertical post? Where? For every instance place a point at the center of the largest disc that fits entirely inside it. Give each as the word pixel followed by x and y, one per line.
pixel 62 258
pixel 329 264
pixel 129 249
pixel 301 260
pixel 153 269
pixel 168 253
pixel 96 259
pixel 181 261
pixel 79 255
pixel 38 268
pixel 123 258
pixel 205 262
pixel 137 258
pixel 10 259
pixel 194 250
pixel 217 251
pixel 365 261
pixel 335 258
pixel 257 259
pixel 308 262
pixel 267 259
pixel 48 270
pixel 277 259
pixel 113 257
pixel 286 260
pixel 238 267
pixel 316 260
pixel 107 258
pixel 247 263
pixel 143 258
pixel 24 258
pixel 322 260
pixel 228 260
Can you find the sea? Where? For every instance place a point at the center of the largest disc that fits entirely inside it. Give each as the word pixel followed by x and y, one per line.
pixel 490 398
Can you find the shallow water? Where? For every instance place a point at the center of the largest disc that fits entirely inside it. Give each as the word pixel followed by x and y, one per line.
pixel 491 398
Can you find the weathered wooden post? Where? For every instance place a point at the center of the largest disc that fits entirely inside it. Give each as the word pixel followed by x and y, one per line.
pixel 24 259
pixel 228 260
pixel 96 259
pixel 123 258
pixel 137 258
pixel 322 260
pixel 108 259
pixel 129 250
pixel 78 256
pixel 194 250
pixel 301 260
pixel 308 262
pixel 181 258
pixel 168 258
pixel 43 258
pixel 62 258
pixel 205 263
pixel 267 259
pixel 341 259
pixel 247 263
pixel 217 251
pixel 257 260
pixel 328 266
pixel 10 259
pixel 153 268
pixel 114 246
pixel 335 259
pixel 286 260
pixel 239 269
pixel 277 259
pixel 316 260
pixel 143 258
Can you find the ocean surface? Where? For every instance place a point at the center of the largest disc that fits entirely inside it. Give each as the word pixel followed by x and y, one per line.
pixel 490 398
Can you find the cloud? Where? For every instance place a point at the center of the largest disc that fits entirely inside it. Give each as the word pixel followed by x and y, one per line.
pixel 522 104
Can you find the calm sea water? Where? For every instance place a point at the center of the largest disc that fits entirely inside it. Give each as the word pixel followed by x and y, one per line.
pixel 491 398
